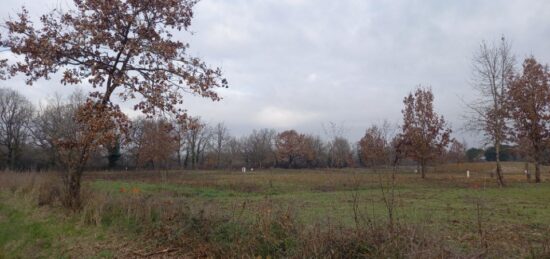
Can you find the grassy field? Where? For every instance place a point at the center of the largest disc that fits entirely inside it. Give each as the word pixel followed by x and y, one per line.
pixel 281 213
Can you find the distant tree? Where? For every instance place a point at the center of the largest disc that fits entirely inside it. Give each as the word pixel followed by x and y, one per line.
pixel 220 135
pixel 290 148
pixel 374 147
pixel 156 143
pixel 493 67
pixel 316 151
pixel 259 148
pixel 55 121
pixel 197 137
pixel 235 153
pixel 16 114
pixel 122 48
pixel 113 153
pixel 474 154
pixel 340 153
pixel 424 134
pixel 457 152
pixel 507 153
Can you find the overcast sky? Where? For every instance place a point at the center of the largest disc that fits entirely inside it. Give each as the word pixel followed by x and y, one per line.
pixel 301 63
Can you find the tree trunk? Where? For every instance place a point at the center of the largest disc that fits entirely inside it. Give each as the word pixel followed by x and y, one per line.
pixel 537 172
pixel 527 173
pixel 423 169
pixel 11 158
pixel 72 189
pixel 500 177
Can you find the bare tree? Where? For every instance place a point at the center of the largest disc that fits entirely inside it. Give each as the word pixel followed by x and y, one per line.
pixel 258 148
pixel 339 153
pixel 316 149
pixel 339 150
pixel 15 116
pixel 135 135
pixel 220 135
pixel 529 107
pixel 55 121
pixel 197 137
pixel 235 152
pixel 493 67
pixel 457 152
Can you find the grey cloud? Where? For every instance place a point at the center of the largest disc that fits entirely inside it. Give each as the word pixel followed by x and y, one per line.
pixel 301 63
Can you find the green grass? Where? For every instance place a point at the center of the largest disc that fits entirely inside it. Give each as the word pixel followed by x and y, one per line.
pixel 120 187
pixel 514 218
pixel 445 202
pixel 28 231
pixel 448 205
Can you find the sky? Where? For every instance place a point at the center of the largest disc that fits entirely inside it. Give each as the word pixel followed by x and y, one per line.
pixel 300 64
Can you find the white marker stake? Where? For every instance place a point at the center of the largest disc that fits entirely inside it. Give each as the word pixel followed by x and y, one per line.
pixel 467 173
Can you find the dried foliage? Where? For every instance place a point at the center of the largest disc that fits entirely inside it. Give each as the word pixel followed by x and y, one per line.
pixel 529 107
pixel 292 148
pixel 424 134
pixel 374 147
pixel 123 48
pixel 154 143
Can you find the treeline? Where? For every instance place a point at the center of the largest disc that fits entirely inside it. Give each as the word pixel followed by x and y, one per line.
pixel 36 138
pixel 30 137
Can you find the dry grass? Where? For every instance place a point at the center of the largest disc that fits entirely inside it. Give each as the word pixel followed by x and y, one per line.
pixel 174 225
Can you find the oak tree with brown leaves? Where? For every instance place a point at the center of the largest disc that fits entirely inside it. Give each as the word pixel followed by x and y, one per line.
pixel 424 134
pixel 529 108
pixel 155 143
pixel 288 145
pixel 374 147
pixel 122 48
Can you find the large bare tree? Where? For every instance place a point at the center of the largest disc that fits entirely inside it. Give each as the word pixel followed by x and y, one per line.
pixel 55 121
pixel 123 48
pixel 529 107
pixel 493 67
pixel 16 114
pixel 220 135
pixel 197 137
pixel 258 148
